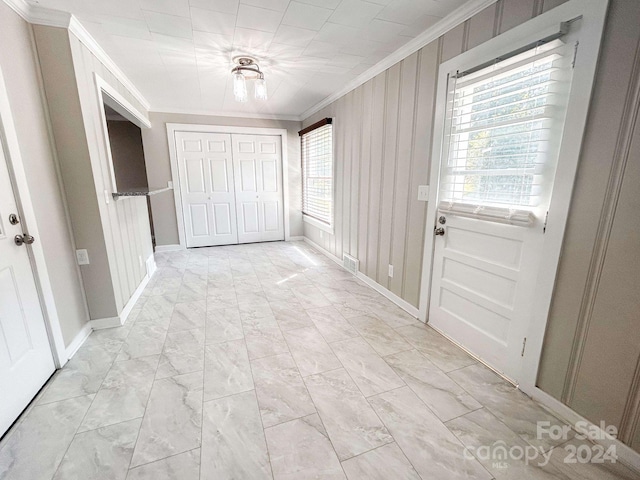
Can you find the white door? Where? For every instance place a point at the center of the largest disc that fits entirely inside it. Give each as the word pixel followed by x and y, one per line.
pixel 207 188
pixel 25 354
pixel 483 282
pixel 257 165
pixel 503 129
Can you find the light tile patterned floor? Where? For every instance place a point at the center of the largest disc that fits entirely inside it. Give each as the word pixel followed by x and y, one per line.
pixel 269 361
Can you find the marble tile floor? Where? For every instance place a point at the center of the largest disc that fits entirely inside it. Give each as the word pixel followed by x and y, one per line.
pixel 268 361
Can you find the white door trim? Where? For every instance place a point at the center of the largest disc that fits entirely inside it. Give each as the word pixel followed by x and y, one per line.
pixel 172 128
pixel 9 138
pixel 107 95
pixel 593 13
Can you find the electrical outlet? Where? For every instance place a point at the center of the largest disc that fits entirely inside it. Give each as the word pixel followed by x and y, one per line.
pixel 170 184
pixel 423 193
pixel 82 256
pixel 391 271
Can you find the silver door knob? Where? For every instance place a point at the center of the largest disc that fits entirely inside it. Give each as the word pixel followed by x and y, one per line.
pixel 439 231
pixel 22 239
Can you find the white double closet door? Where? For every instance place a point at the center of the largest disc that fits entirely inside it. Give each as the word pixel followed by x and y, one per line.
pixel 231 188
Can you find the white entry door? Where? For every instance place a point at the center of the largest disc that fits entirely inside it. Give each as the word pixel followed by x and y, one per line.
pixel 26 361
pixel 484 276
pixel 207 188
pixel 501 144
pixel 257 162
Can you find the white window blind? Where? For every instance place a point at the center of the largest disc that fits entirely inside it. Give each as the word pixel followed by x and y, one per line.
pixel 317 173
pixel 503 130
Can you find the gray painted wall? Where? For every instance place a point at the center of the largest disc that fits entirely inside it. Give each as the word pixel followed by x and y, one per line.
pixel 382 142
pixel 382 146
pixel 125 140
pixel 60 85
pixel 124 222
pixel 23 81
pixel 382 137
pixel 116 234
pixel 591 358
pixel 156 148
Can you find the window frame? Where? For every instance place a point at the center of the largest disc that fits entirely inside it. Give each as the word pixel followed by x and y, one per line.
pixel 537 198
pixel 307 218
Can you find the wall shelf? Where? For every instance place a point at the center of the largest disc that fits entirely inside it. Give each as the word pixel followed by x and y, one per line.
pixel 140 192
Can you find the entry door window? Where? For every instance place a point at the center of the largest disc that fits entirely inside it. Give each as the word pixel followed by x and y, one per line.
pixel 504 125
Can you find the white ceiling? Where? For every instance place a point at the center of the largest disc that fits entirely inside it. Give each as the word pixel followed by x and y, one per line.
pixel 178 52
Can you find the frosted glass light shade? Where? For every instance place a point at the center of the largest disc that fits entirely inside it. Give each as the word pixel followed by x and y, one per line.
pixel 239 87
pixel 261 89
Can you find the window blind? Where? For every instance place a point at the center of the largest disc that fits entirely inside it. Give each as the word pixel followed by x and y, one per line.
pixel 503 130
pixel 317 173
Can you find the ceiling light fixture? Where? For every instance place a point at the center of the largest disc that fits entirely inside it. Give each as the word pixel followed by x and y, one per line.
pixel 247 68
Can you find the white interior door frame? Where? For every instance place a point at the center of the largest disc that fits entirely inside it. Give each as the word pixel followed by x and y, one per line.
pixel 172 128
pixel 11 146
pixel 593 14
pixel 107 95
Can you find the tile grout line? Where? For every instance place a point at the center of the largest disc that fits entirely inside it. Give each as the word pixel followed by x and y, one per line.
pixel 153 382
pixel 333 447
pixel 88 408
pixel 306 388
pixel 253 380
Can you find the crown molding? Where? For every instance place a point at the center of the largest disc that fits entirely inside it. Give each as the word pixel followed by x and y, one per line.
pixel 76 27
pixel 21 7
pixel 452 20
pixel 37 15
pixel 54 18
pixel 217 113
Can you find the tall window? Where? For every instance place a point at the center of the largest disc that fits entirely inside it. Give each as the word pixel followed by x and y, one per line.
pixel 317 171
pixel 503 129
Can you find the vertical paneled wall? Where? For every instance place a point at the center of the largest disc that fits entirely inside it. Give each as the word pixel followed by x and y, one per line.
pixel 591 357
pixel 56 62
pixel 116 234
pixel 380 161
pixel 125 222
pixel 382 140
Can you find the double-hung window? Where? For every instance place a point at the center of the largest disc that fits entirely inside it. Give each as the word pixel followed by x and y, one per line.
pixel 317 173
pixel 503 131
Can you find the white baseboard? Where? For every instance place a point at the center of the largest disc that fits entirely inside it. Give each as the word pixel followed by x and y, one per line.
pixel 169 248
pixel 79 339
pixel 625 454
pixel 107 322
pixel 298 238
pixel 151 265
pixel 121 319
pixel 124 315
pixel 325 252
pixel 403 304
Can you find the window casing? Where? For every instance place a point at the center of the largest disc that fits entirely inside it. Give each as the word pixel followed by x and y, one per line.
pixel 317 172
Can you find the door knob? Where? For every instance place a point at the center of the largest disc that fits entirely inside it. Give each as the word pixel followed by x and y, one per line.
pixel 22 239
pixel 439 231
